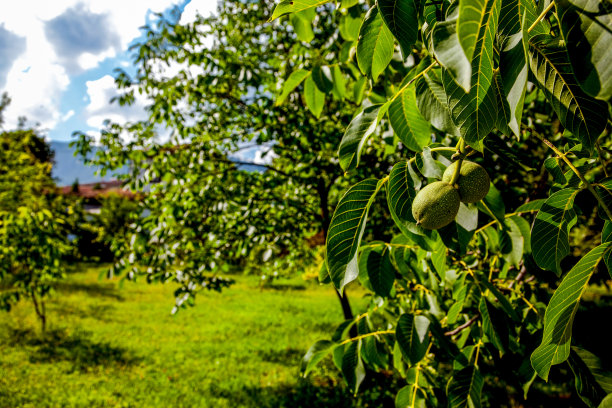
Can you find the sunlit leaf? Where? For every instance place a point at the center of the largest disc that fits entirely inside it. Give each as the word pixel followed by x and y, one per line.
pixel 357 133
pixel 291 83
pixel 315 99
pixel 411 128
pixel 375 45
pixel 293 6
pixel 559 317
pixel 315 354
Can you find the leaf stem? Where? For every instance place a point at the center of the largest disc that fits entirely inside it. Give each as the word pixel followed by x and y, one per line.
pixel 460 149
pixel 541 16
pixel 567 161
pixel 376 333
pixel 477 352
pixel 506 216
pixel 417 76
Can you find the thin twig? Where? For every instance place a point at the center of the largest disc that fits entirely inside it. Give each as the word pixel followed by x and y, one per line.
pixel 463 326
pixel 541 16
pixel 520 275
pixel 567 161
pixel 367 335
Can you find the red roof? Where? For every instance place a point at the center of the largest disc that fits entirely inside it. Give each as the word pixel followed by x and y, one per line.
pixel 99 189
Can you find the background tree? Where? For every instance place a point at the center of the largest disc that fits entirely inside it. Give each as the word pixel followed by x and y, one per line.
pixel 33 236
pixel 209 209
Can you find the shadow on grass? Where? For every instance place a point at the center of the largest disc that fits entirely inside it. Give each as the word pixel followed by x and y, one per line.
pixel 284 287
pixel 77 348
pixel 289 357
pixel 91 289
pixel 308 393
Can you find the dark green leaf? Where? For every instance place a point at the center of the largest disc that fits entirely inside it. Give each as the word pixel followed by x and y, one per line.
pixel 582 115
pixel 552 166
pixel 489 328
pixel 587 29
pixel 550 233
pixel 401 190
pixel 432 103
pixel 322 76
pixel 412 335
pixel 604 190
pixel 380 271
pixel 493 204
pixel 346 229
pixel 445 44
pixel 400 16
pixel 352 366
pixel 513 68
pixel 464 388
pixel 584 365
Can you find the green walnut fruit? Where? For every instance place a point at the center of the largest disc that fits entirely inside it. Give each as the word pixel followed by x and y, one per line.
pixel 473 182
pixel 436 205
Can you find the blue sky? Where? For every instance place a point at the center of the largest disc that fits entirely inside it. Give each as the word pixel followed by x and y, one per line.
pixel 57 58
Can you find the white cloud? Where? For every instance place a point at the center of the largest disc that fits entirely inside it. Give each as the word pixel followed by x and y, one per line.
pixel 195 7
pixel 99 109
pixel 68 115
pixel 38 77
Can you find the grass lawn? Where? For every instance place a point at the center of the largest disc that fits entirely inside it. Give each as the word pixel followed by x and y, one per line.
pixel 112 347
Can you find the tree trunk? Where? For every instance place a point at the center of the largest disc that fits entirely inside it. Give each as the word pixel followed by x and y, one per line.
pixel 40 311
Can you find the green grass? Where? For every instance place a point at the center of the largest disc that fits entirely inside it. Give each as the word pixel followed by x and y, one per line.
pixel 111 347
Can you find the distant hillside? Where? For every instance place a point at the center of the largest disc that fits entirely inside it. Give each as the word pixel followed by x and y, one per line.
pixel 69 168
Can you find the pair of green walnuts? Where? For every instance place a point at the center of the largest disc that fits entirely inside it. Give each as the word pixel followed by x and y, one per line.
pixel 437 204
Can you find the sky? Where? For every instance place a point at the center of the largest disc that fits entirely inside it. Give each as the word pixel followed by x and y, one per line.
pixel 57 58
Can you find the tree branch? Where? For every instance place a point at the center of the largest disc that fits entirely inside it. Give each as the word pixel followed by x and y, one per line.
pixel 463 326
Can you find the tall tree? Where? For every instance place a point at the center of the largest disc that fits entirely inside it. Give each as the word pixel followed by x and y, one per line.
pixel 212 91
pixel 33 237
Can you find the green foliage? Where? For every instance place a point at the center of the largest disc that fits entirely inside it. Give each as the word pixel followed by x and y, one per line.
pixel 33 233
pixel 502 78
pixel 208 205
